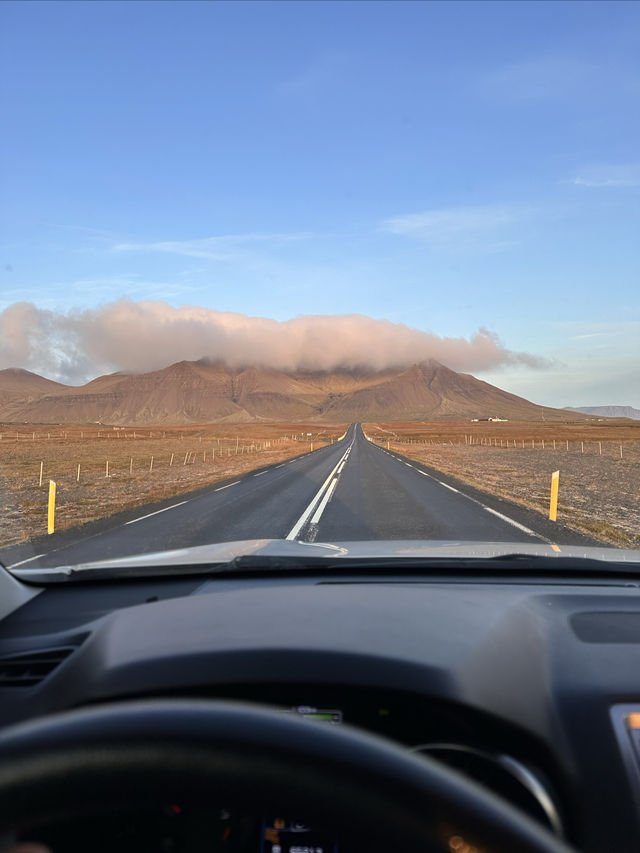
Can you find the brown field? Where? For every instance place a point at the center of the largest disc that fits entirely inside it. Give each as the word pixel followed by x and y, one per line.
pixel 143 466
pixel 599 464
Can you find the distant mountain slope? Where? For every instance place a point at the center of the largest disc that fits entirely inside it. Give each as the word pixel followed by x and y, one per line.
pixel 201 392
pixel 24 381
pixel 18 387
pixel 607 411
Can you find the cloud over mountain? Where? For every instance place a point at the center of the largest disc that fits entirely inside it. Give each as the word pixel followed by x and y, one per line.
pixel 139 336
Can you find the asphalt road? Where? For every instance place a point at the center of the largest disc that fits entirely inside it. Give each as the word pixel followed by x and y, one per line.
pixel 351 490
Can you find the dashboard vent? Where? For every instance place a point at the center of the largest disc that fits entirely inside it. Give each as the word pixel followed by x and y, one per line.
pixel 30 668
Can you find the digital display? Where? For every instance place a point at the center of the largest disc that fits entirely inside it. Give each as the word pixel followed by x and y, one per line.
pixel 281 835
pixel 320 714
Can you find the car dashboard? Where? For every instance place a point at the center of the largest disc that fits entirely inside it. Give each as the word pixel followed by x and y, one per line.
pixel 530 685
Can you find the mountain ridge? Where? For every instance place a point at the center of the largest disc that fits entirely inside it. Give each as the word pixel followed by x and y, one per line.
pixel 205 392
pixel 607 411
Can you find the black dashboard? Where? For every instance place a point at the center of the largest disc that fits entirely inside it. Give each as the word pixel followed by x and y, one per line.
pixel 529 685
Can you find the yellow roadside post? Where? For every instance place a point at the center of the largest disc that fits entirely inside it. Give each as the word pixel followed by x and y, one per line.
pixel 52 507
pixel 553 503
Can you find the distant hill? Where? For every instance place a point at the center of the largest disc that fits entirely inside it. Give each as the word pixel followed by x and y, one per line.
pixel 607 411
pixel 201 392
pixel 22 386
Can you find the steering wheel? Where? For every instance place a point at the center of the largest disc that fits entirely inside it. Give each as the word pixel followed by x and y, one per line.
pixel 358 787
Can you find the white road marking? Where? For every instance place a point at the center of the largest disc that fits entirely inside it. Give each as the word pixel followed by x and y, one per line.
pixel 514 523
pixel 323 503
pixel 451 489
pixel 28 560
pixel 260 474
pixel 157 512
pixel 228 486
pixel 281 465
pixel 297 527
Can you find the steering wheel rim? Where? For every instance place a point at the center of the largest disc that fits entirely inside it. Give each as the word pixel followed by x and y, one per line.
pixel 358 786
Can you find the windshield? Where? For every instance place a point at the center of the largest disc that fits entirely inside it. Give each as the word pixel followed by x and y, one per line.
pixel 319 273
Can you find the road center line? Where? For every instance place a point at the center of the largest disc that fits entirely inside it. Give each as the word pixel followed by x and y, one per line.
pixel 157 512
pixel 297 527
pixel 325 500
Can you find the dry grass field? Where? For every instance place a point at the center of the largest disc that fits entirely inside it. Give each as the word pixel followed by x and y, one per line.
pixel 599 464
pixel 100 470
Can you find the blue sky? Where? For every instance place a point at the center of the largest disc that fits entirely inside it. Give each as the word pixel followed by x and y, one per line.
pixel 448 166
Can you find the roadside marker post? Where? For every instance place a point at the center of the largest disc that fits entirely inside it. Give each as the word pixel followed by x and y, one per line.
pixel 553 503
pixel 51 509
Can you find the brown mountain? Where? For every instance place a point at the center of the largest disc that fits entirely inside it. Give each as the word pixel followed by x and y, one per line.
pixel 200 392
pixel 21 386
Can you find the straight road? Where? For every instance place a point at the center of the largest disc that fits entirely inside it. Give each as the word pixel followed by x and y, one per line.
pixel 348 491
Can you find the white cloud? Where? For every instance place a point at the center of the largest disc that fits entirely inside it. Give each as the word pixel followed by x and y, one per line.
pixel 591 335
pixel 112 286
pixel 457 225
pixel 140 336
pixel 584 328
pixel 604 175
pixel 222 248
